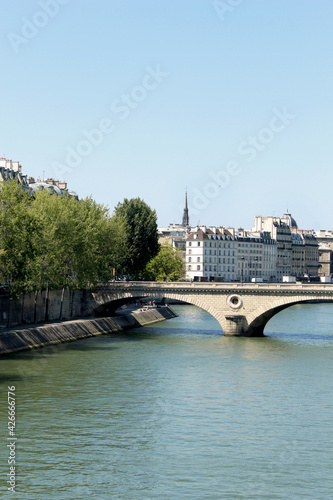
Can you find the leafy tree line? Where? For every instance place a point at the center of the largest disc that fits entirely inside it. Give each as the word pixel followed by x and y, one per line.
pixel 49 241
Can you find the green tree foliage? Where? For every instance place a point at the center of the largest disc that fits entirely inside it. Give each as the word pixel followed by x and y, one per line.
pixel 55 241
pixel 141 241
pixel 16 226
pixel 167 265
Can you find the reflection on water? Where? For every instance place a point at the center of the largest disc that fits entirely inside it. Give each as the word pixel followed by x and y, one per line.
pixel 177 410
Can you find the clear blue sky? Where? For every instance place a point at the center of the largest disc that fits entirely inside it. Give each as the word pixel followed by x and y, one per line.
pixel 231 99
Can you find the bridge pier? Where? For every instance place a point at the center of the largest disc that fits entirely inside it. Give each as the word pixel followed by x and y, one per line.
pixel 237 325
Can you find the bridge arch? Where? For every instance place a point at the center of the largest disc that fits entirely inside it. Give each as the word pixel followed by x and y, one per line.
pixel 258 320
pixel 107 304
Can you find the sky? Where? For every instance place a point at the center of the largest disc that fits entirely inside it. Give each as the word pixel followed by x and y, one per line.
pixel 230 100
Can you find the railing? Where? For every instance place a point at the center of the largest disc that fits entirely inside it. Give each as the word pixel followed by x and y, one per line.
pixel 181 285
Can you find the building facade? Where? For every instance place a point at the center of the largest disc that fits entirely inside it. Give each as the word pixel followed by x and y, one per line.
pixel 220 254
pixel 297 249
pixel 10 170
pixel 274 248
pixel 325 240
pixel 211 254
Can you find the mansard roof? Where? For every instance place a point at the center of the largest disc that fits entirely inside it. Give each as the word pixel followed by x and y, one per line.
pixel 209 234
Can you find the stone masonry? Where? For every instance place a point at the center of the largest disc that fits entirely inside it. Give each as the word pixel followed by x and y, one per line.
pixel 240 308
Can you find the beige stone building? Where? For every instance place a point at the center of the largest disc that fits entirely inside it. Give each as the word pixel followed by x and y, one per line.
pixel 325 241
pixel 297 249
pixel 226 254
pixel 211 254
pixel 12 170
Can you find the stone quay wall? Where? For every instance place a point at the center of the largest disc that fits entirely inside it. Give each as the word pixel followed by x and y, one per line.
pixel 32 308
pixel 23 338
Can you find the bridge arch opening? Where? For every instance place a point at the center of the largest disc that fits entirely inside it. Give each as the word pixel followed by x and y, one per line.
pixel 258 325
pixel 112 307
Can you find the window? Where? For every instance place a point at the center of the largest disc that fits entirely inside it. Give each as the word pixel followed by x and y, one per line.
pixel 198 268
pixel 198 260
pixel 189 243
pixel 189 268
pixel 190 259
pixel 198 243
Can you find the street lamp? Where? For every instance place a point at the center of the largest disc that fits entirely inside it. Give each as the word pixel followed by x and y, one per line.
pixel 242 275
pixel 255 267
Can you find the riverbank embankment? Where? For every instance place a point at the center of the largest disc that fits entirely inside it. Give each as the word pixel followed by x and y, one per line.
pixel 23 338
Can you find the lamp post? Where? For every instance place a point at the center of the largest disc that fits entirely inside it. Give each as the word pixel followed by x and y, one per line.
pixel 255 267
pixel 242 275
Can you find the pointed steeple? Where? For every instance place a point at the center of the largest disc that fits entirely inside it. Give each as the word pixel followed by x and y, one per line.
pixel 186 220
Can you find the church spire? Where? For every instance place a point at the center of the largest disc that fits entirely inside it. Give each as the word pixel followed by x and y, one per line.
pixel 186 220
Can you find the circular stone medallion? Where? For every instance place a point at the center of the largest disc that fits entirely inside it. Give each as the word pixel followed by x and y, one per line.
pixel 234 301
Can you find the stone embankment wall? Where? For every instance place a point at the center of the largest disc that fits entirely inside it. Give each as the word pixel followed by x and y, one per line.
pixel 24 338
pixel 32 308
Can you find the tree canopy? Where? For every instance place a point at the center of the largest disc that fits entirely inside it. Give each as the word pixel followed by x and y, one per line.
pixel 141 240
pixel 50 241
pixel 167 265
pixel 55 241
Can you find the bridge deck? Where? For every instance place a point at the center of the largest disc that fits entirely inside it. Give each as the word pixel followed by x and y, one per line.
pixel 220 286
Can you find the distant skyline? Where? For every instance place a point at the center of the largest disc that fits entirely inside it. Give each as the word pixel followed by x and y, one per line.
pixel 229 100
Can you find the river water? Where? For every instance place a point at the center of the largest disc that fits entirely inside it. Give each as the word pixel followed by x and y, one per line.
pixel 176 411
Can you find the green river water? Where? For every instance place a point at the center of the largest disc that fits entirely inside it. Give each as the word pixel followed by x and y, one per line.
pixel 176 411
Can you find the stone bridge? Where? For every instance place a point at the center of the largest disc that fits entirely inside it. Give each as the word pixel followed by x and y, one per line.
pixel 240 308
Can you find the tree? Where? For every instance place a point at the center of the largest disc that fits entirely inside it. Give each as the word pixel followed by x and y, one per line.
pixel 141 241
pixel 167 265
pixel 50 241
pixel 16 234
pixel 76 243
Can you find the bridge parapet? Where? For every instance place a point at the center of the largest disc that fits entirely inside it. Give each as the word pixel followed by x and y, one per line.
pixel 176 285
